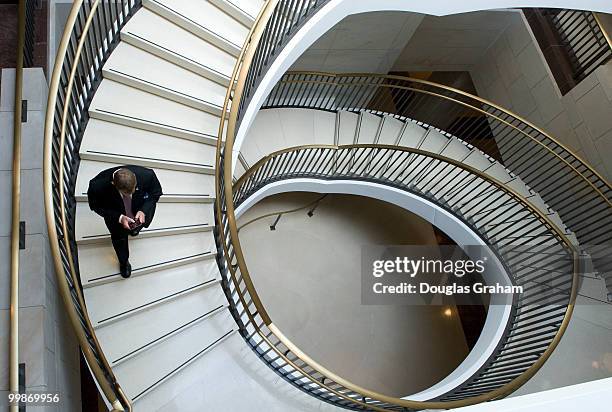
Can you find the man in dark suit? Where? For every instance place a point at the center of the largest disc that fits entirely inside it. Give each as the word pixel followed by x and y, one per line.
pixel 125 196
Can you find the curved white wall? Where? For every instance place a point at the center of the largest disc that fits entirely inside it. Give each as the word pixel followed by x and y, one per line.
pixel 336 10
pixel 498 314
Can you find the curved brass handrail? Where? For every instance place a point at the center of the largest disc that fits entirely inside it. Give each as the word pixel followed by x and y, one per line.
pixel 97 362
pixel 234 96
pixel 522 120
pixel 15 213
pixel 261 311
pixel 603 29
pixel 244 80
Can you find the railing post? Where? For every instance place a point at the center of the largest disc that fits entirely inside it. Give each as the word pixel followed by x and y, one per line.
pixel 16 196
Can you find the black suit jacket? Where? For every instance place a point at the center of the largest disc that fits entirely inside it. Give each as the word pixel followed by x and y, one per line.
pixel 106 201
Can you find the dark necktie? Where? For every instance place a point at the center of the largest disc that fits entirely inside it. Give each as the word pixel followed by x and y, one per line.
pixel 127 203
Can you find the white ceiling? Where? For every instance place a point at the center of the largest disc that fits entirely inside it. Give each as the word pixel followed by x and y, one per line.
pixel 379 42
pixel 369 42
pixel 453 43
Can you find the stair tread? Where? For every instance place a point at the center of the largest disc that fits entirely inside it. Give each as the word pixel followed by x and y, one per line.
pixel 411 135
pixel 149 145
pixel 167 215
pixel 259 385
pixel 251 7
pixel 206 15
pixel 368 128
pixel 133 61
pixel 153 366
pixel 98 262
pixel 173 182
pixel 109 301
pixel 390 131
pixel 118 98
pixel 346 128
pixel 145 327
pixel 239 12
pixel 160 31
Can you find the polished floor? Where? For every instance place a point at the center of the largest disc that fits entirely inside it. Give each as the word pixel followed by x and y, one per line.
pixel 312 265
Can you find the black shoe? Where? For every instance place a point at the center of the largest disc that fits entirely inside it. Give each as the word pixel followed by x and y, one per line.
pixel 135 232
pixel 126 270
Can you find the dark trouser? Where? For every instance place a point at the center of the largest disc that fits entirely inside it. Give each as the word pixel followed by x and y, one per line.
pixel 120 244
pixel 119 237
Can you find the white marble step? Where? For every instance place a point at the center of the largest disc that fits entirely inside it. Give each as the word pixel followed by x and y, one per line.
pixel 235 12
pixel 264 136
pixel 296 126
pixel 173 182
pixel 346 127
pixel 434 141
pixel 148 328
pixel 98 262
pixel 114 97
pixel 456 149
pixel 324 125
pixel 153 367
pixel 390 131
pixel 144 144
pixel 153 126
pixel 146 70
pixel 204 20
pixel 154 33
pixel 254 386
pixel 90 227
pixel 412 135
pixel 146 162
pixel 111 302
pixel 368 126
pixel 477 160
pixel 244 11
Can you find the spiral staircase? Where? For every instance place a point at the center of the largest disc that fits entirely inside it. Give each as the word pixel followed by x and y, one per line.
pixel 166 84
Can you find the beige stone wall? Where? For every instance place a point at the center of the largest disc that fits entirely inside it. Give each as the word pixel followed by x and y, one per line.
pixel 514 74
pixel 46 342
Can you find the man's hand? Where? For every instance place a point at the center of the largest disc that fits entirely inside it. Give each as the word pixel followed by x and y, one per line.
pixel 140 217
pixel 125 222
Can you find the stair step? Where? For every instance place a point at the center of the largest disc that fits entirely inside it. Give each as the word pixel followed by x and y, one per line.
pixel 153 126
pixel 163 91
pixel 390 131
pixel 367 128
pixel 145 328
pixel 153 146
pixel 114 97
pixel 133 295
pixel 140 271
pixel 296 125
pixel 146 162
pixel 346 127
pixel 434 141
pixel 264 136
pixel 412 135
pixel 455 150
pixel 324 125
pixel 165 39
pixel 98 263
pixel 168 216
pixel 151 368
pixel 150 68
pixel 243 11
pixel 204 20
pixel 174 183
